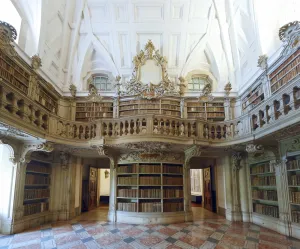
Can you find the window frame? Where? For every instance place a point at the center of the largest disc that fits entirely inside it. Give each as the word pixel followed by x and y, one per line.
pixel 203 80
pixel 101 86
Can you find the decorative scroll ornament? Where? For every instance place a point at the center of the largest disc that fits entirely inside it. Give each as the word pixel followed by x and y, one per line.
pixel 150 62
pixel 191 152
pixel 148 147
pixel 276 163
pixel 262 62
pixel 254 148
pixel 227 88
pixel 93 94
pixel 29 148
pixel 36 62
pixel 237 158
pixel 206 95
pixel 7 35
pixel 73 90
pixel 290 35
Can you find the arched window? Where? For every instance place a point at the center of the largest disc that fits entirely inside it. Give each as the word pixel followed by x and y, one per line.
pixel 102 83
pixel 197 82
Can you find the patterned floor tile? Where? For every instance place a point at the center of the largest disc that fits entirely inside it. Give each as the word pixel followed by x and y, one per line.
pixel 108 240
pixel 150 240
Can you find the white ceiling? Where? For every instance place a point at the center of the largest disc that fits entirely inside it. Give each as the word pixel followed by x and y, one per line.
pixel 81 37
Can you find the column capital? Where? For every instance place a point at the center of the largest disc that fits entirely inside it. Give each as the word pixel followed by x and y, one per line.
pixel 254 148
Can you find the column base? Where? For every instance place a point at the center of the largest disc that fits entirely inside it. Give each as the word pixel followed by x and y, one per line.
pixel 233 215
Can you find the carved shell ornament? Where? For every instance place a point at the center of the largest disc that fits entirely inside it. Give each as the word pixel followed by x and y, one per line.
pixel 150 77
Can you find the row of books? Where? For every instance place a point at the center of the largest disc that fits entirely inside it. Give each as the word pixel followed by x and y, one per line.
pixel 35 208
pixel 94 104
pixel 128 113
pixel 127 193
pixel 266 210
pixel 286 69
pixel 171 113
pixel 150 193
pixel 294 180
pixel 170 102
pixel 37 179
pixel 172 169
pixel 215 109
pixel 171 193
pixel 286 62
pixel 262 168
pixel 167 180
pixel 263 181
pixel 132 168
pixel 296 216
pixel 94 109
pixel 270 195
pixel 36 193
pixel 293 164
pixel 215 114
pixel 127 206
pixel 38 167
pixel 295 197
pixel 171 107
pixel 288 77
pixel 173 207
pixel 93 115
pixel 196 109
pixel 150 168
pixel 127 180
pixel 150 180
pixel 196 115
pixel 150 207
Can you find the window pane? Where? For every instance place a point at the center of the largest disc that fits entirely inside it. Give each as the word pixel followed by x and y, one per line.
pixel 197 86
pixel 97 86
pixel 191 86
pixel 108 86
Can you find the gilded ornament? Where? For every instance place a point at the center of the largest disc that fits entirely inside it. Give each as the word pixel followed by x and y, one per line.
pixel 289 34
pixel 262 62
pixel 7 35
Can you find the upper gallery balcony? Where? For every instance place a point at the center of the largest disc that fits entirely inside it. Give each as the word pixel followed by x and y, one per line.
pixel 28 102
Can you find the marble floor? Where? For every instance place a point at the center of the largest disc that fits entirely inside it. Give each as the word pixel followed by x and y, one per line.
pixel 90 230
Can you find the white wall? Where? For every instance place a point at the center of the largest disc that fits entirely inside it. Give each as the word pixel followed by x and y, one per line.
pixel 220 173
pixel 104 183
pixel 7 185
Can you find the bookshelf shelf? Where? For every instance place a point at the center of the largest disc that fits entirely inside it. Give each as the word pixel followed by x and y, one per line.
pixel 211 111
pixel 264 190
pixel 87 111
pixel 293 177
pixel 153 191
pixel 36 189
pixel 286 72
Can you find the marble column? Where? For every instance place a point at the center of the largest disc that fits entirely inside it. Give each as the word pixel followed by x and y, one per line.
pixel 112 215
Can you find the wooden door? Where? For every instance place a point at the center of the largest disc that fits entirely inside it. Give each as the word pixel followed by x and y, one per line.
pixel 93 179
pixel 207 189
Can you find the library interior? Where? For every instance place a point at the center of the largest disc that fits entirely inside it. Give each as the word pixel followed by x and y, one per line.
pixel 150 124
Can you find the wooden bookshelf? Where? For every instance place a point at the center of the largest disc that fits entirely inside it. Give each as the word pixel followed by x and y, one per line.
pixel 286 72
pixel 293 176
pixel 47 101
pixel 87 111
pixel 36 191
pixel 13 73
pixel 263 189
pixel 252 98
pixel 207 111
pixel 156 106
pixel 150 187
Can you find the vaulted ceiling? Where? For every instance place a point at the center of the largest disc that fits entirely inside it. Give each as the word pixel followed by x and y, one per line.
pixel 81 37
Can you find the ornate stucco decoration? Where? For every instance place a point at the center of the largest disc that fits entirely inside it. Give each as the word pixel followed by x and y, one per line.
pixel 149 147
pixel 118 84
pixel 205 95
pixel 291 145
pixel 138 156
pixel 36 62
pixel 193 151
pixel 7 35
pixel 254 148
pixel 262 62
pixel 181 85
pixel 73 90
pixel 236 158
pixel 227 88
pixel 29 148
pixel 289 34
pixel 150 77
pixel 93 94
